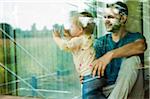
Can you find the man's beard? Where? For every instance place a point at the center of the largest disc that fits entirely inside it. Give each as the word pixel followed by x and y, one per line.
pixel 115 28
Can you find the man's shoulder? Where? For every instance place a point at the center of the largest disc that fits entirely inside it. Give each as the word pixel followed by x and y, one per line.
pixel 132 36
pixel 135 35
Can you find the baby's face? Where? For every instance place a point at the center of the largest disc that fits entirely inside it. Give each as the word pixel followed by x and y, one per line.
pixel 75 30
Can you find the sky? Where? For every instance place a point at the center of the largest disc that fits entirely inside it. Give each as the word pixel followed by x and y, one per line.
pixel 24 13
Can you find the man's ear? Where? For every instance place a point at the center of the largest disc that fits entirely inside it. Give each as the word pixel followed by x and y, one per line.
pixel 123 19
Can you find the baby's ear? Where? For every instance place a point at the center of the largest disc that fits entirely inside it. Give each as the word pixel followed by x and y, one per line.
pixel 81 29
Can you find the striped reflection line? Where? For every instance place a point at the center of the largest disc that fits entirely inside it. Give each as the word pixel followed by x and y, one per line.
pixel 45 90
pixel 17 81
pixel 21 79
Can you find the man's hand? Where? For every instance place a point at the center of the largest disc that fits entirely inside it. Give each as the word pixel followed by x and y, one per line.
pixel 100 64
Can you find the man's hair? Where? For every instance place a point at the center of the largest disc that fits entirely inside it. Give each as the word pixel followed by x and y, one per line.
pixel 122 7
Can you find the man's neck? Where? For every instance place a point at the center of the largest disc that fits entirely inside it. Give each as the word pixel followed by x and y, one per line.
pixel 116 36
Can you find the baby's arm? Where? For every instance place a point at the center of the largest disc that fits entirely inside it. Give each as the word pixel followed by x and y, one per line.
pixel 72 44
pixel 58 40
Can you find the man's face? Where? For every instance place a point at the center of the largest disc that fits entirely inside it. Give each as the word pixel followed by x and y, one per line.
pixel 112 19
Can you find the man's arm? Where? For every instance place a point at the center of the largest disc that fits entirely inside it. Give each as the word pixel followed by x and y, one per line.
pixel 135 48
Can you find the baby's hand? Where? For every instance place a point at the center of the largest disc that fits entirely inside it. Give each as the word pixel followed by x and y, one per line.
pixel 56 34
pixel 81 79
pixel 66 33
pixel 56 30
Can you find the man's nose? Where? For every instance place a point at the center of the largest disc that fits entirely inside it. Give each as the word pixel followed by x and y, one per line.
pixel 107 21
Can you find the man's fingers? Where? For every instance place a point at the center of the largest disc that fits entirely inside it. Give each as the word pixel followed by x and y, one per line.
pixel 94 70
pixel 94 63
pixel 99 69
pixel 102 70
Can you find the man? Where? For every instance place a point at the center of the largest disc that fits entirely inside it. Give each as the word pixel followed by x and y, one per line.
pixel 113 52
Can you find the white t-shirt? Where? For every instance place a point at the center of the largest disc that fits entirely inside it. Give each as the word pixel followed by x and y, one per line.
pixel 82 51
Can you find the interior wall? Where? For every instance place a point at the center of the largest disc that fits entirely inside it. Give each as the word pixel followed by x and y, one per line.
pixel 146 30
pixel 134 16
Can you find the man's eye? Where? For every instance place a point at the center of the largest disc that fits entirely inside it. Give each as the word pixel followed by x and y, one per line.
pixel 105 17
pixel 111 17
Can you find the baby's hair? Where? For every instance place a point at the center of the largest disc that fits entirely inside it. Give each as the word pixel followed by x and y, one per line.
pixel 88 26
pixel 86 14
